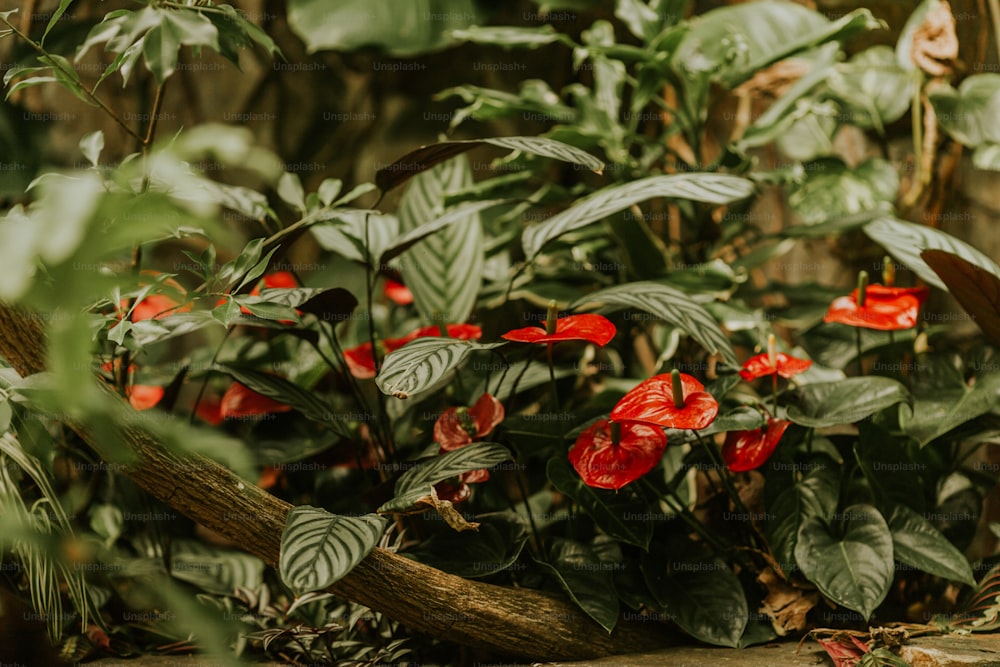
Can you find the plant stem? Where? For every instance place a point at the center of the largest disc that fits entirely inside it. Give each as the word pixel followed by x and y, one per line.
pixel 727 482
pixel 536 536
pixel 552 378
pixel 857 344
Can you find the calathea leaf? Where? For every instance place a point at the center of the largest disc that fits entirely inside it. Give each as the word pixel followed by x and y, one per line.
pixel 423 365
pixel 318 548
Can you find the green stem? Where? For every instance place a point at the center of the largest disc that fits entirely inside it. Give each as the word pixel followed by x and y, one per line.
pixel 727 482
pixel 857 344
pixel 552 378
pixel 536 536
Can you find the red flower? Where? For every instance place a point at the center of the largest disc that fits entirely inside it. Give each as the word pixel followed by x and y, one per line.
pixel 784 365
pixel 361 362
pixel 398 293
pixel 144 396
pixel 605 461
pixel 458 427
pixel 209 410
pixel 594 328
pixel 655 401
pixel 453 493
pixel 746 450
pixel 241 401
pixel 156 306
pixel 885 308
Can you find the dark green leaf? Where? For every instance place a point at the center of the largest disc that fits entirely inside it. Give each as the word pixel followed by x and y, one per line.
pixel 847 401
pixel 916 542
pixel 814 495
pixel 423 365
pixel 490 549
pixel 832 190
pixel 587 580
pixel 851 561
pixel 452 464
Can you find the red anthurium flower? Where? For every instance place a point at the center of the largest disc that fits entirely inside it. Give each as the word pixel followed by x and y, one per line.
pixel 884 308
pixel 656 401
pixel 398 293
pixel 596 329
pixel 144 396
pixel 361 362
pixel 156 306
pixel 277 279
pixel 209 410
pixel 747 450
pixel 783 364
pixel 457 427
pixel 453 493
pixel 241 401
pixel 608 460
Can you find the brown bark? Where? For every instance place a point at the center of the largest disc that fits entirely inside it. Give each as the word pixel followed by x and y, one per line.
pixel 513 621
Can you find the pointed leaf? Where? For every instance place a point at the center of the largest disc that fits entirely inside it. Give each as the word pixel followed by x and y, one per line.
pixel 444 271
pixel 425 157
pixel 918 543
pixel 457 214
pixel 452 464
pixel 318 548
pixel 851 563
pixel 588 581
pixel 709 188
pixel 671 305
pixel 492 548
pixel 823 404
pixel 423 365
pixel 906 240
pixel 813 496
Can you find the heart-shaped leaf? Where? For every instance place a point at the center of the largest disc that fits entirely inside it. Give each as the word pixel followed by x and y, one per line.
pixel 918 543
pixel 490 549
pixel 318 548
pixel 850 560
pixel 588 580
pixel 813 496
pixel 847 401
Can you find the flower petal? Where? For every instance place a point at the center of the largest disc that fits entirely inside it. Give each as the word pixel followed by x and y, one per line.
pixel 652 402
pixel 241 401
pixel 604 465
pixel 449 429
pixel 157 306
pixel 487 413
pixel 596 329
pixel 885 309
pixel 144 396
pixel 747 450
pixel 398 293
pixel 280 279
pixel 786 366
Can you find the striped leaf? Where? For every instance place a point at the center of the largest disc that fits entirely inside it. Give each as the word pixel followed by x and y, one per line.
pixel 318 548
pixel 471 457
pixel 444 270
pixel 426 157
pixel 981 613
pixel 345 233
pixel 906 240
pixel 668 304
pixel 458 214
pixel 423 364
pixel 708 188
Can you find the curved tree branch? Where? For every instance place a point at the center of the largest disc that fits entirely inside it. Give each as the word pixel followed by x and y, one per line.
pixel 513 621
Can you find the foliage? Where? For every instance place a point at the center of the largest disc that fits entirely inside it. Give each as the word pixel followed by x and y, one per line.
pixel 615 447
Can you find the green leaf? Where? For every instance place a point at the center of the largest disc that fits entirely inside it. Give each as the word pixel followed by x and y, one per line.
pixel 400 29
pixel 850 562
pixel 256 271
pixel 977 290
pixel 709 188
pixel 452 464
pixel 874 86
pixel 702 596
pixel 291 192
pixel 621 515
pixel 832 190
pixel 814 495
pixel 107 521
pixel 987 156
pixel 640 19
pixel 931 417
pixel 509 35
pixel 319 548
pixel 823 404
pixel 457 214
pixel 193 28
pixel 425 157
pixel 56 15
pixel 731 44
pixel 289 393
pixel 492 548
pixel 328 190
pixel 588 581
pixel 160 51
pixel 228 312
pixel 969 114
pixel 216 571
pixel 918 543
pixel 445 270
pixel 668 304
pixel 345 233
pixel 904 45
pixel 423 365
pixel 906 240
pixel 91 146
pixel 260 307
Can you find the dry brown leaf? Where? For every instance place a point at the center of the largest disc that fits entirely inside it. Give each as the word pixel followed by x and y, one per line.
pixel 447 511
pixel 935 44
pixel 786 605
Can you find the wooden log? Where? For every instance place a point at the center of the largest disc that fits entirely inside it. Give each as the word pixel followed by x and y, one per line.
pixel 512 621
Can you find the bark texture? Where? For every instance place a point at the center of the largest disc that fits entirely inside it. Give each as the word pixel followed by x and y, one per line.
pixel 513 621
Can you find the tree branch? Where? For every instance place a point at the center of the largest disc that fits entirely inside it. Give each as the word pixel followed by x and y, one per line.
pixel 513 621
